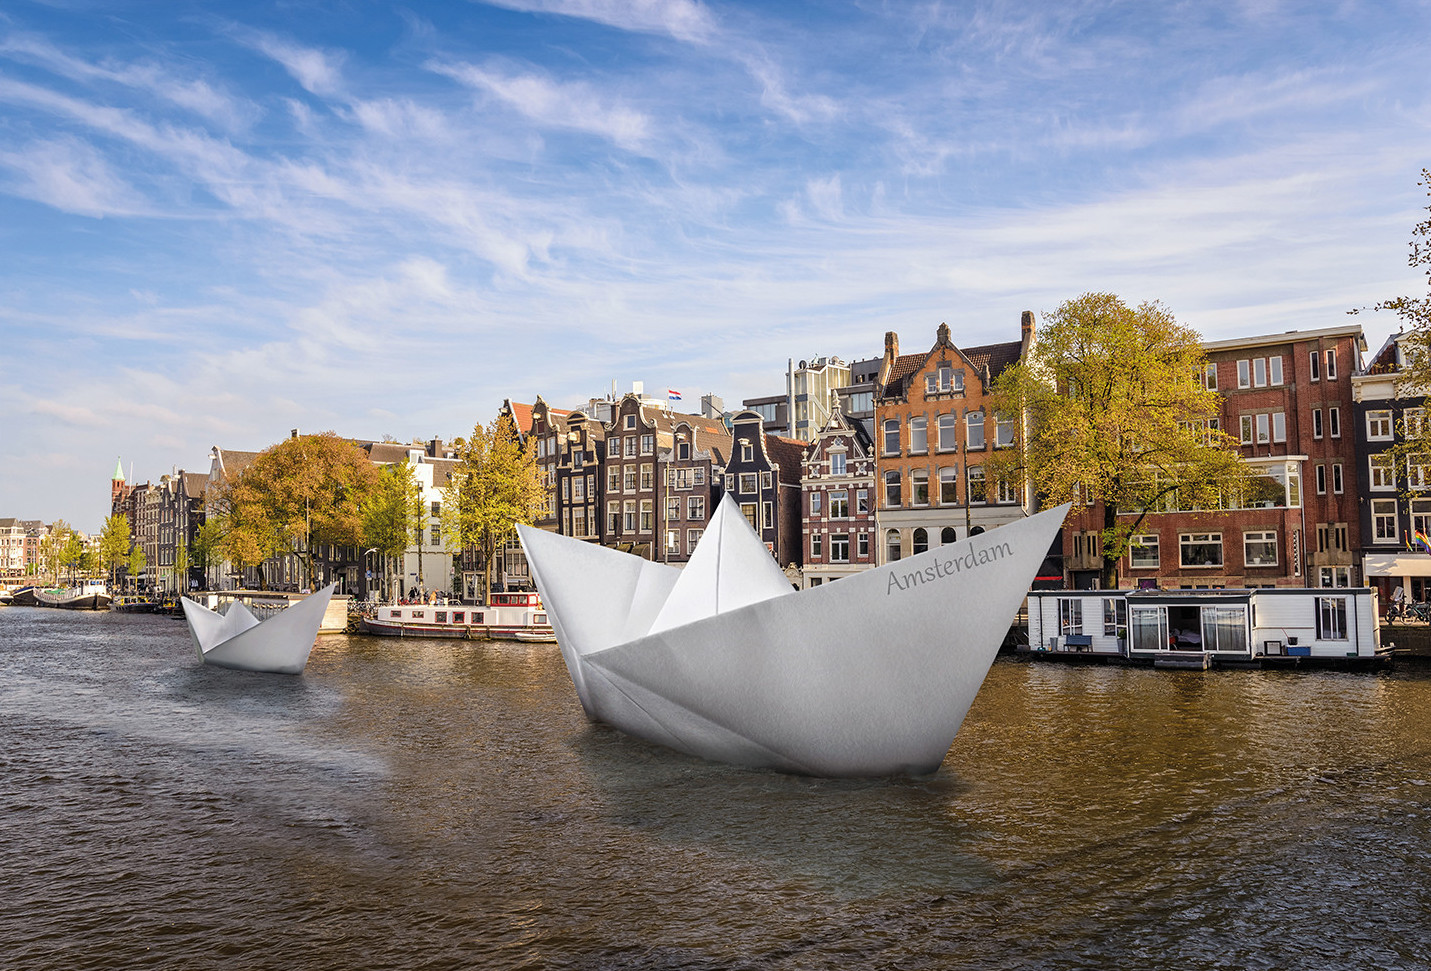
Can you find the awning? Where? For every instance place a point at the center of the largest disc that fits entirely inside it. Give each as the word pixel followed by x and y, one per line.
pixel 1396 565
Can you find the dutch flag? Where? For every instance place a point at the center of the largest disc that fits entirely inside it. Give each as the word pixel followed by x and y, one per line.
pixel 672 395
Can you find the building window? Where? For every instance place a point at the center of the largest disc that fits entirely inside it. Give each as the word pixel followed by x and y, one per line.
pixel 918 436
pixel 892 498
pixel 748 486
pixel 1321 479
pixel 975 490
pixel 815 503
pixel 1314 361
pixel 1274 370
pixel 1331 611
pixel 891 437
pixel 891 545
pixel 862 501
pixel 765 480
pixel 648 444
pixel 840 548
pixel 1334 422
pixel 1006 491
pixel 648 475
pixel 1332 364
pixel 975 433
pixel 862 546
pixel 1244 374
pixel 1316 423
pixel 919 542
pixel 1259 372
pixel 628 516
pixel 947 536
pixel 949 485
pixel 1416 466
pixel 948 433
pixel 647 515
pixel 837 463
pixel 631 446
pixel 769 510
pixel 1383 520
pixel 1143 552
pixel 613 517
pixel 578 488
pixel 839 504
pixel 1382 474
pixel 1334 576
pixel 683 451
pixel 1070 615
pixel 696 507
pixel 919 487
pixel 1378 425
pixel 1209 377
pixel 673 509
pixel 673 541
pixel 1337 477
pixel 747 452
pixel 816 546
pixel 1003 432
pixel 1200 549
pixel 613 479
pixel 1259 549
pixel 1246 430
pixel 1264 429
pixel 1421 516
pixel 749 510
pixel 628 473
pixel 693 536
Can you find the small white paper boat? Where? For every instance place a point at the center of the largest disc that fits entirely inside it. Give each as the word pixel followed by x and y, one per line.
pixel 868 676
pixel 237 639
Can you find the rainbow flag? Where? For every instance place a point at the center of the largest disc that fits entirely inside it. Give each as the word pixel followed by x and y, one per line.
pixel 1421 539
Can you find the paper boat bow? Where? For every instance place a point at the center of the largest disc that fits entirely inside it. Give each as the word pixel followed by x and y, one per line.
pixel 238 639
pixel 868 676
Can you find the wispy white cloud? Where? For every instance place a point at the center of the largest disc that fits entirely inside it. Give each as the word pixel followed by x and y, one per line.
pixel 684 20
pixel 318 71
pixel 71 176
pixel 551 104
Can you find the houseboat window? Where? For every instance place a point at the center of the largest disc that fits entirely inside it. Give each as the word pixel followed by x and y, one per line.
pixel 1070 615
pixel 419 614
pixel 1332 618
pixel 1115 616
pixel 1149 628
pixel 539 618
pixel 1200 549
pixel 1143 552
pixel 459 616
pixel 1260 548
pixel 476 616
pixel 440 616
pixel 1224 629
pixel 397 615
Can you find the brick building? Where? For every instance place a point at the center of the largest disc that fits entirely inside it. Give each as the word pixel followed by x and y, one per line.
pixel 838 489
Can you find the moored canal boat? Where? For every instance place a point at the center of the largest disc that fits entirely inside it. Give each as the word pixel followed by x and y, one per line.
pixel 510 616
pixel 85 595
pixel 1264 627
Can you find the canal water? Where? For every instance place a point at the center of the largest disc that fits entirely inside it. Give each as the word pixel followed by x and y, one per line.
pixel 413 804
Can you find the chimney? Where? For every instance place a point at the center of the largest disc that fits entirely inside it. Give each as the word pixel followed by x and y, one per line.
pixel 891 352
pixel 293 434
pixel 1026 328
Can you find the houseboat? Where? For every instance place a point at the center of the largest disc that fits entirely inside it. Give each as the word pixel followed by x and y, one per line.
pixel 510 616
pixel 85 595
pixel 1266 627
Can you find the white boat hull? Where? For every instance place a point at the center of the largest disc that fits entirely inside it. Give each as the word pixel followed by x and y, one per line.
pixel 868 676
pixel 239 640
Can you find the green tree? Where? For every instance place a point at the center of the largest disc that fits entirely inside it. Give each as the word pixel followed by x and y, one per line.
pixel 53 550
pixel 181 568
pixel 137 564
pixel 304 491
pixel 392 514
pixel 208 543
pixel 494 486
pixel 1416 311
pixel 113 544
pixel 1117 412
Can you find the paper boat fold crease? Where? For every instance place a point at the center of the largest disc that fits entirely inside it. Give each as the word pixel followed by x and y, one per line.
pixel 869 676
pixel 238 639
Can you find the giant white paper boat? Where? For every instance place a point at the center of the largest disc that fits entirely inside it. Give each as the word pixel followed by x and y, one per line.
pixel 238 639
pixel 868 676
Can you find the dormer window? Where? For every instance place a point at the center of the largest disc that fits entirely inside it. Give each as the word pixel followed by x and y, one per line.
pixel 630 421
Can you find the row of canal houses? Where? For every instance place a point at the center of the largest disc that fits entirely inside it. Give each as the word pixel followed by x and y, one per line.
pixel 890 460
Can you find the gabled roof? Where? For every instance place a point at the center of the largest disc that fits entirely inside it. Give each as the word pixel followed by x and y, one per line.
pixel 234 462
pixel 905 367
pixel 996 357
pixel 194 484
pixel 788 453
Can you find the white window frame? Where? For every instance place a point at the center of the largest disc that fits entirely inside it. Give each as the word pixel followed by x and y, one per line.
pixel 1143 552
pixel 1267 538
pixel 1316 423
pixel 1384 527
pixel 1314 361
pixel 1334 422
pixel 1378 425
pixel 1244 373
pixel 1381 474
pixel 1188 541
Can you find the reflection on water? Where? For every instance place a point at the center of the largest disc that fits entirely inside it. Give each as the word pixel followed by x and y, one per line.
pixel 418 804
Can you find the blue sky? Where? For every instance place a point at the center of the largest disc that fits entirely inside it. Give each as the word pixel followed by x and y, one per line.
pixel 220 221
